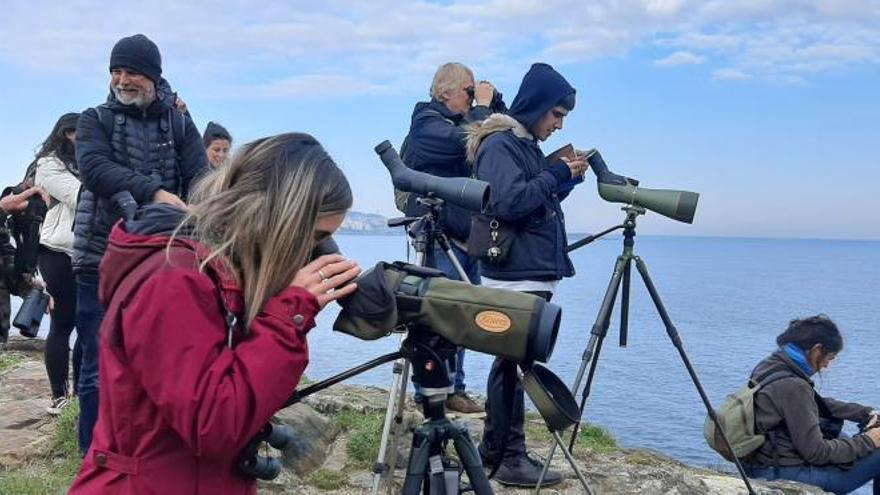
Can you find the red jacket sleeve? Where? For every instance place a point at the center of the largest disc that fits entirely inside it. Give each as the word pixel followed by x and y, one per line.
pixel 214 397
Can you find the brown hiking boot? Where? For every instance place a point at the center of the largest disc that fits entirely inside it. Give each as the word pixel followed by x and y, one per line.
pixel 460 402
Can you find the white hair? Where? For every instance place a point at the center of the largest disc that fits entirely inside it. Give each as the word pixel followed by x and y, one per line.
pixel 449 77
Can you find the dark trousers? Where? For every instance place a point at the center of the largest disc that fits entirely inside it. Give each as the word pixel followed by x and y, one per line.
pixel 89 314
pixel 829 478
pixel 505 409
pixel 60 283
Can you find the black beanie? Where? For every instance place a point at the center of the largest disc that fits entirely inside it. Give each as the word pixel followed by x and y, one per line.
pixel 139 54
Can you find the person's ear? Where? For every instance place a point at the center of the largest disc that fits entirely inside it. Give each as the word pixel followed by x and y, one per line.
pixel 815 355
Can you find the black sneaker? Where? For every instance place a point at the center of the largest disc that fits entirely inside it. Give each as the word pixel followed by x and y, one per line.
pixel 523 471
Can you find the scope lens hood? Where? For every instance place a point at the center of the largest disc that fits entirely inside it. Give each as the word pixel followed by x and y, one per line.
pixel 551 397
pixel 542 335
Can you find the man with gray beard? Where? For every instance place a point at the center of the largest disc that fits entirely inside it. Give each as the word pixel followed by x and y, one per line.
pixel 136 142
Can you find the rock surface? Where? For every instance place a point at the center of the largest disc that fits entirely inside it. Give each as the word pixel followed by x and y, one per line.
pixel 25 427
pixel 318 460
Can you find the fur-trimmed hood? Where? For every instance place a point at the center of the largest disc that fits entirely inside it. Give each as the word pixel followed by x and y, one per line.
pixel 497 122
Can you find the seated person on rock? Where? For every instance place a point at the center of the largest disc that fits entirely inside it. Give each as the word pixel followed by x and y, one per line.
pixel 802 442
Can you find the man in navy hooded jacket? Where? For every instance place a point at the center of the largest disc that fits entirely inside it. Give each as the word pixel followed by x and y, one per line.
pixel 436 145
pixel 526 192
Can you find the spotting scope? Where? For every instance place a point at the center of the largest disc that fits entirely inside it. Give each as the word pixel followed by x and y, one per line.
pixel 514 325
pixel 470 194
pixel 677 205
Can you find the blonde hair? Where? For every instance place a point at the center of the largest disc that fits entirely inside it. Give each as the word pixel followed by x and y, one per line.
pixel 449 77
pixel 259 212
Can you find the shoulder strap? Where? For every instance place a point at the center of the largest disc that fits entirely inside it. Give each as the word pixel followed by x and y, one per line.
pixel 107 119
pixel 176 121
pixel 435 112
pixel 770 377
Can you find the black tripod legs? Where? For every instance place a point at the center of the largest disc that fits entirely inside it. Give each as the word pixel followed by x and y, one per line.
pixel 597 335
pixel 676 341
pixel 470 459
pixel 591 355
pixel 426 460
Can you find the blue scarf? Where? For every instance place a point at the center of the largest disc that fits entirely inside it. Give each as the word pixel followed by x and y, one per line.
pixel 798 356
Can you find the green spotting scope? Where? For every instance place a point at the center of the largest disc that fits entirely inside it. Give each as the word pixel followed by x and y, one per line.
pixel 514 325
pixel 677 205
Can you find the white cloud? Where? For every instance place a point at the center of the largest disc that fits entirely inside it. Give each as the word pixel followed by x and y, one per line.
pixel 311 85
pixel 679 58
pixel 730 74
pixel 370 46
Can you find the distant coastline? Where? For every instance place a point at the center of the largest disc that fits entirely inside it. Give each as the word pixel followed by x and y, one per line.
pixel 359 223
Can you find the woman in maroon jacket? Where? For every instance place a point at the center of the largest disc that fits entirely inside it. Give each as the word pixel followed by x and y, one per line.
pixel 207 315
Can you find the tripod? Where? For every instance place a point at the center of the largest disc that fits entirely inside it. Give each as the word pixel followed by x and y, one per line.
pixel 428 466
pixel 621 278
pixel 426 233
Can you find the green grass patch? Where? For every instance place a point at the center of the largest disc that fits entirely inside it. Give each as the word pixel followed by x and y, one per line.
pixel 9 360
pixel 364 433
pixel 325 479
pixel 50 475
pixel 591 438
pixel 65 441
pixel 596 439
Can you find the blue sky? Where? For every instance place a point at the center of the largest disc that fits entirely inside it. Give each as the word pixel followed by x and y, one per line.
pixel 769 109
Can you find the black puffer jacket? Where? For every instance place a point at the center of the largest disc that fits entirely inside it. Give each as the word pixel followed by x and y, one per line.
pixel 142 151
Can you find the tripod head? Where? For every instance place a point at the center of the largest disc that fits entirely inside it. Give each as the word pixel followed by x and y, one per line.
pixel 429 353
pixel 425 230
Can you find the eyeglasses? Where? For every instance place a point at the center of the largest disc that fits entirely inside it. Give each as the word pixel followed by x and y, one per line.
pixel 470 91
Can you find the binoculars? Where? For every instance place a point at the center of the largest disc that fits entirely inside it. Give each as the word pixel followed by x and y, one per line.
pixel 260 467
pixel 31 312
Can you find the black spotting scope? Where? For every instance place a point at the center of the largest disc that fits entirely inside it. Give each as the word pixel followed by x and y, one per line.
pixel 470 194
pixel 677 205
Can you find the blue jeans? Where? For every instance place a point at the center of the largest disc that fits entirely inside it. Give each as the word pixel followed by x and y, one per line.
pixel 89 314
pixel 829 478
pixel 472 269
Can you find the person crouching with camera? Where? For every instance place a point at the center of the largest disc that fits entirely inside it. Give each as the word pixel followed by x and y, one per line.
pixel 207 316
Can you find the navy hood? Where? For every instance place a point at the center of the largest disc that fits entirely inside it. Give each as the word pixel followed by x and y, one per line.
pixel 157 219
pixel 542 88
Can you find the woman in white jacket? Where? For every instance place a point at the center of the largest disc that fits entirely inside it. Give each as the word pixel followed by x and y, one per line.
pixel 57 175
